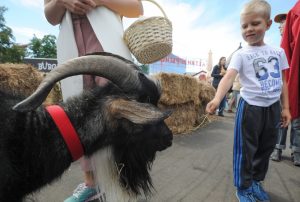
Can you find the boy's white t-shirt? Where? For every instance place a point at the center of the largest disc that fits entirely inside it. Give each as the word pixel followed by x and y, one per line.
pixel 260 69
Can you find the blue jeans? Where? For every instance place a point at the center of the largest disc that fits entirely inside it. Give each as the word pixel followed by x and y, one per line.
pixel 222 105
pixel 294 139
pixel 223 102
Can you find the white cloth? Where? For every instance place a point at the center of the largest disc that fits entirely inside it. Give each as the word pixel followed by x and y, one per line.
pixel 108 28
pixel 260 69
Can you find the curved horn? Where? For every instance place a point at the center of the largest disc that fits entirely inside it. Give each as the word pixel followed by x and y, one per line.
pixel 120 71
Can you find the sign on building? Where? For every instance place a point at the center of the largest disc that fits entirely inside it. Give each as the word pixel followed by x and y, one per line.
pixel 42 64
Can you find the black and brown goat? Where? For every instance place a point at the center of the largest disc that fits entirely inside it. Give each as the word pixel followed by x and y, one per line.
pixel 121 117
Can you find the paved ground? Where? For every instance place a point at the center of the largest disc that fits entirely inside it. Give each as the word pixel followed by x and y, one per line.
pixel 197 168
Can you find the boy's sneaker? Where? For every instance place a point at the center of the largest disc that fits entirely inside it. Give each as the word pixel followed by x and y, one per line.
pixel 259 193
pixel 245 195
pixel 82 194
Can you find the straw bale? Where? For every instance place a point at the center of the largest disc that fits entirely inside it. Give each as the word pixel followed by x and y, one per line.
pixel 19 79
pixel 184 118
pixel 178 89
pixel 23 79
pixel 206 92
pixel 187 98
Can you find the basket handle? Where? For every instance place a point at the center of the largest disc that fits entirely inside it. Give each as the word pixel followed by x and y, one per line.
pixel 160 8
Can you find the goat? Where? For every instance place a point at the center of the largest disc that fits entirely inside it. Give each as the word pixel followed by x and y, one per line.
pixel 121 117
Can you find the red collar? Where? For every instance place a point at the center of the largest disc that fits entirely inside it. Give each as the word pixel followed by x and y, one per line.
pixel 67 130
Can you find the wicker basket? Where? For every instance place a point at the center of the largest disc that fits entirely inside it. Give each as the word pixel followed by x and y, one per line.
pixel 150 39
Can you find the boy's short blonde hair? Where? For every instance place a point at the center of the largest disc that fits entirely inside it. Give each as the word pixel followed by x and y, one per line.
pixel 257 6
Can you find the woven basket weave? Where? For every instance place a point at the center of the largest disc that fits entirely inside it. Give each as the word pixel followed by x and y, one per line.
pixel 150 39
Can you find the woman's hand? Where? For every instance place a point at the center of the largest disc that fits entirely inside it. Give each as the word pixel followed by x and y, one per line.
pixel 80 7
pixel 223 71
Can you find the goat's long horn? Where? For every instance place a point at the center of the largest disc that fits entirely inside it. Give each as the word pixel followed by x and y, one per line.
pixel 120 71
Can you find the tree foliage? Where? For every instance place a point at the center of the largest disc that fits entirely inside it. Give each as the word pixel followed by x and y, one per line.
pixel 43 48
pixel 9 51
pixel 14 53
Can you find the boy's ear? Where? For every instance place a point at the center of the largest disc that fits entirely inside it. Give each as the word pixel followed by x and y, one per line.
pixel 269 23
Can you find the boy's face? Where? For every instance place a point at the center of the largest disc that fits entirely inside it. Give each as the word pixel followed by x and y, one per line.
pixel 254 26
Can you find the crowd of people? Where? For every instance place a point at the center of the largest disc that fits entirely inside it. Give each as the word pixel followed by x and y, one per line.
pixel 263 81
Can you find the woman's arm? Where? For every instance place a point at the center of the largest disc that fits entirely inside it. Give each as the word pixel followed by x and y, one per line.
pixel 55 9
pixel 127 8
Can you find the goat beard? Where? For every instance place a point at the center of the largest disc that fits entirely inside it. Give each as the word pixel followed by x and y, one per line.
pixel 134 164
pixel 122 173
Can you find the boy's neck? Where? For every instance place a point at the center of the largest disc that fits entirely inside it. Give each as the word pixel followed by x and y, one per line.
pixel 257 45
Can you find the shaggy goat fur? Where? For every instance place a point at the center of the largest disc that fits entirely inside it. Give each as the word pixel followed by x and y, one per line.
pixel 33 153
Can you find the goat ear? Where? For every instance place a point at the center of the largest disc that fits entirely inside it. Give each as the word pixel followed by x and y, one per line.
pixel 137 112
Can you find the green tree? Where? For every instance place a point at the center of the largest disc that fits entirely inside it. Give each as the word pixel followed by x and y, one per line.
pixel 9 51
pixel 42 48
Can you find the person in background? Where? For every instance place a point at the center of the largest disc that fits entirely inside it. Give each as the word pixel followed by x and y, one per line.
pixel 88 26
pixel 257 120
pixel 202 76
pixel 280 19
pixel 282 134
pixel 291 44
pixel 218 72
pixel 233 102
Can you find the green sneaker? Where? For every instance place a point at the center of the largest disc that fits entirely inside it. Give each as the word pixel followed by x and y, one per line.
pixel 82 194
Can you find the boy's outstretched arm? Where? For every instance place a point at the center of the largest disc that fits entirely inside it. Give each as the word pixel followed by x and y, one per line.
pixel 285 113
pixel 223 88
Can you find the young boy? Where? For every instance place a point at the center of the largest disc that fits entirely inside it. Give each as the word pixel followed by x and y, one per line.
pixel 258 116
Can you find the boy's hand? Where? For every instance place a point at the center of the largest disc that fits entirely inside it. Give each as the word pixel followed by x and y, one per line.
pixel 285 117
pixel 212 106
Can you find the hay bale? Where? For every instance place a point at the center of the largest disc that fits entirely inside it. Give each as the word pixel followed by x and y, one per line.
pixel 23 79
pixel 19 79
pixel 178 89
pixel 206 92
pixel 183 117
pixel 187 98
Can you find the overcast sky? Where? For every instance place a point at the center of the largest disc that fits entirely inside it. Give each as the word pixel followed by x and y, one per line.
pixel 198 25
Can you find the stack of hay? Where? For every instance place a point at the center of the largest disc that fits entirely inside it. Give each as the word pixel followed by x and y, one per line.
pixel 23 79
pixel 187 98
